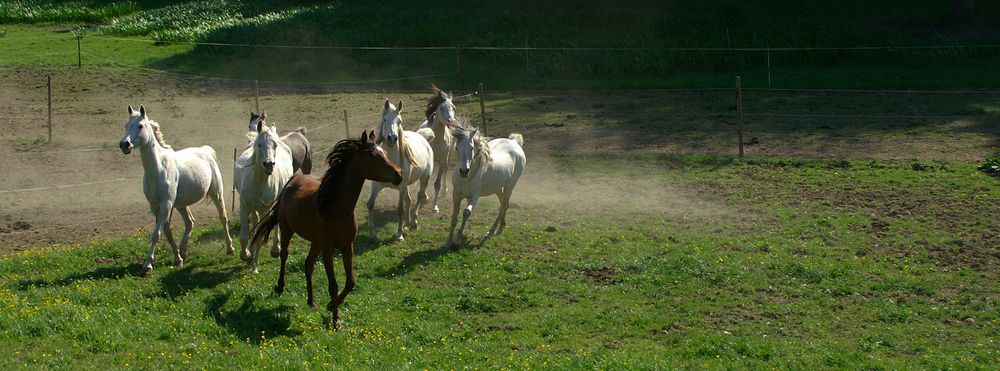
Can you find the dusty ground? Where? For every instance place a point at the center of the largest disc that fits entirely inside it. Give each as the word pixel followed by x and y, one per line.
pixel 89 111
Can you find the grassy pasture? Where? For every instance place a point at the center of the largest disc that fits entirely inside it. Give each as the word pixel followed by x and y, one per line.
pixel 650 261
pixel 639 244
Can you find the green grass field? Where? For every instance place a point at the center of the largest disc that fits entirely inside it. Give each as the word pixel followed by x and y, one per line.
pixel 709 262
pixel 625 250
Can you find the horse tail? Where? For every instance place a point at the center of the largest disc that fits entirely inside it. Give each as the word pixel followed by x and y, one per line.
pixel 517 137
pixel 427 133
pixel 262 231
pixel 302 130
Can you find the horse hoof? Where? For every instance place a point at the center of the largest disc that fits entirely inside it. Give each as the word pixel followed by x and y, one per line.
pixel 399 238
pixel 147 270
pixel 230 251
pixel 179 263
pixel 275 253
pixel 279 290
pixel 311 305
pixel 244 255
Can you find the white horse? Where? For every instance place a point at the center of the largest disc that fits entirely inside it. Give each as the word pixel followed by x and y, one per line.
pixel 484 168
pixel 440 115
pixel 261 172
pixel 173 180
pixel 412 152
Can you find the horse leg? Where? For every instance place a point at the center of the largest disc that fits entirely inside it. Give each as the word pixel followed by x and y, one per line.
pixel 505 204
pixel 437 184
pixel 244 231
pixel 376 188
pixel 421 198
pixel 188 226
pixel 347 254
pixel 162 215
pixel 402 209
pixel 220 206
pixel 331 280
pixel 454 220
pixel 167 234
pixel 255 249
pixel 280 242
pixel 170 239
pixel 471 203
pixel 286 239
pixel 310 266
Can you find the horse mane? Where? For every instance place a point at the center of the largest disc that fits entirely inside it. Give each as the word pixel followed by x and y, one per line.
pixel 432 103
pixel 336 161
pixel 158 134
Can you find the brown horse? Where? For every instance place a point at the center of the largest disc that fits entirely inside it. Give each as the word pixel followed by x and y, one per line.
pixel 323 212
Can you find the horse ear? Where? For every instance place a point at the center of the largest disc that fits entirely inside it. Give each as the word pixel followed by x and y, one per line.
pixel 399 107
pixel 130 110
pixel 451 95
pixel 386 107
pixel 371 137
pixel 259 126
pixel 142 111
pixel 263 114
pixel 364 136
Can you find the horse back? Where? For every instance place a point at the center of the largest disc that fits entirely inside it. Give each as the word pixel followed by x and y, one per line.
pixel 301 151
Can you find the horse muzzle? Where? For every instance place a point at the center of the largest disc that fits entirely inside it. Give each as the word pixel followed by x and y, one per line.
pixel 125 146
pixel 463 172
pixel 397 178
pixel 391 140
pixel 268 168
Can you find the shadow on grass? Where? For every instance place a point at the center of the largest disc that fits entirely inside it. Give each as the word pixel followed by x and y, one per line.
pixel 101 273
pixel 424 257
pixel 250 321
pixel 181 281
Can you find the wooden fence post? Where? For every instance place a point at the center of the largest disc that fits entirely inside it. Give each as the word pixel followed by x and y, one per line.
pixel 50 106
pixel 347 126
pixel 79 59
pixel 232 198
pixel 256 88
pixel 739 114
pixel 482 107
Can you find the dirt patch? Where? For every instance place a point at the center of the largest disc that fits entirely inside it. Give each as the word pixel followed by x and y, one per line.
pixel 602 275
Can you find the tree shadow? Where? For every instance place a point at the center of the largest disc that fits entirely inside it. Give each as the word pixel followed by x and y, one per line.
pixel 101 273
pixel 181 281
pixel 249 321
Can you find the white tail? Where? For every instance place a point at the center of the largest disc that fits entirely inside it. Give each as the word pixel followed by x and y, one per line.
pixel 517 137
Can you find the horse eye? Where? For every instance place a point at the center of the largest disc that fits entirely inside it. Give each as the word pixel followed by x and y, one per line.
pixel 140 126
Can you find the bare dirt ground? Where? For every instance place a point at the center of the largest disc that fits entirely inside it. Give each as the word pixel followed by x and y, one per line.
pixel 45 198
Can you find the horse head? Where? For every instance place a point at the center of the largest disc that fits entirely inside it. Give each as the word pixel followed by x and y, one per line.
pixel 139 130
pixel 256 119
pixel 392 124
pixel 466 147
pixel 265 146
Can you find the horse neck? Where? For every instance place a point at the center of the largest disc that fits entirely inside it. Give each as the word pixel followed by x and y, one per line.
pixel 347 190
pixel 152 153
pixel 441 130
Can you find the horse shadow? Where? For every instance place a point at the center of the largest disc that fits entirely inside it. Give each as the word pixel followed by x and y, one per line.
pixel 178 282
pixel 424 257
pixel 250 321
pixel 101 273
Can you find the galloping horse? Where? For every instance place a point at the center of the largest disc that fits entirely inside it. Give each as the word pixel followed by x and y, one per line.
pixel 323 212
pixel 173 180
pixel 261 172
pixel 484 168
pixel 414 155
pixel 440 115
pixel 296 142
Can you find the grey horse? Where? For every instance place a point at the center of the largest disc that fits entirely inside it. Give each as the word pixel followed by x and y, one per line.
pixel 296 141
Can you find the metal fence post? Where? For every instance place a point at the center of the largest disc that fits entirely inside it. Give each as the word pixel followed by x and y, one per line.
pixel 347 126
